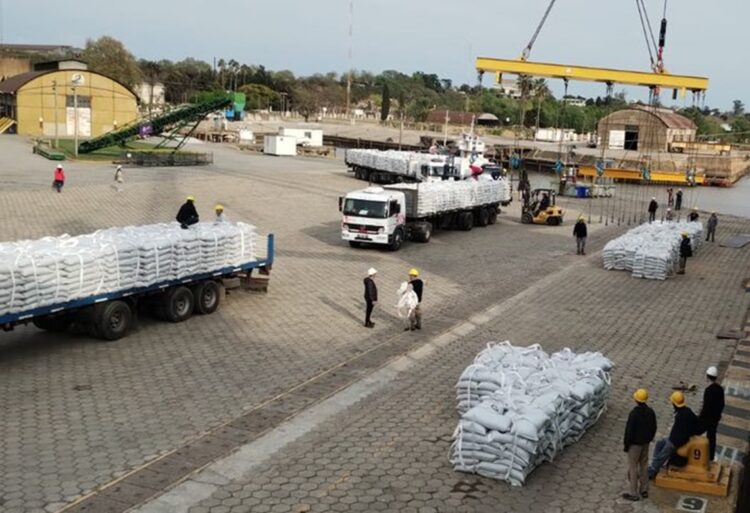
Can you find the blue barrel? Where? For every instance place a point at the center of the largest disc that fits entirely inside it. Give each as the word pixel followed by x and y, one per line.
pixel 581 191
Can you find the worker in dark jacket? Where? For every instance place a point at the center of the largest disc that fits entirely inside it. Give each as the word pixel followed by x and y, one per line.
pixel 544 203
pixel 371 296
pixel 711 227
pixel 686 251
pixel 693 216
pixel 639 433
pixel 187 214
pixel 580 231
pixel 713 406
pixel 652 208
pixel 678 200
pixel 686 424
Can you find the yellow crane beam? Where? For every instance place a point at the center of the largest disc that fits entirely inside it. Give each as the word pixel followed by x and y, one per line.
pixel 585 73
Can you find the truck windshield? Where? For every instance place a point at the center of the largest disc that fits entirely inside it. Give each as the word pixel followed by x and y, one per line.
pixel 365 208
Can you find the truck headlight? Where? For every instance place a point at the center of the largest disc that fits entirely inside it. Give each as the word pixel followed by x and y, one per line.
pixel 381 231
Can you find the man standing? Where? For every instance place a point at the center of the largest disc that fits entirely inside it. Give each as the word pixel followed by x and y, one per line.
pixel 118 179
pixel 580 231
pixel 685 425
pixel 670 197
pixel 652 207
pixel 670 215
pixel 418 286
pixel 187 214
pixel 713 406
pixel 678 200
pixel 686 251
pixel 59 178
pixel 371 296
pixel 693 216
pixel 220 216
pixel 639 433
pixel 711 227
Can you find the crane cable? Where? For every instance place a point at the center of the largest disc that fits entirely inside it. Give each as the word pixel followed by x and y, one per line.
pixel 527 50
pixel 645 34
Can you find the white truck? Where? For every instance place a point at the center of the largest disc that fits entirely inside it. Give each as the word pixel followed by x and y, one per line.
pixel 392 214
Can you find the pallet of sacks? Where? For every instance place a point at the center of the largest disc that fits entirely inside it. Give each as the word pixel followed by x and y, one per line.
pixel 449 195
pixel 55 270
pixel 405 163
pixel 520 407
pixel 651 250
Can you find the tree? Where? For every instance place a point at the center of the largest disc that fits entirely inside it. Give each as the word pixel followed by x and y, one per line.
pixel 306 100
pixel 385 106
pixel 109 57
pixel 260 97
pixel 738 108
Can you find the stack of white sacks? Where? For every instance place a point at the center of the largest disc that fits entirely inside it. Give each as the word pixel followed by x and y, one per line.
pixel 448 195
pixel 406 163
pixel 55 270
pixel 520 407
pixel 651 250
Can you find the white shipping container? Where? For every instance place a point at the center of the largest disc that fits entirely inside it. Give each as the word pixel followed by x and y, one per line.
pixel 280 145
pixel 246 135
pixel 305 136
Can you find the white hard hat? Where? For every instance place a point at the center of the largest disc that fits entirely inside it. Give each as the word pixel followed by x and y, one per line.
pixel 372 271
pixel 712 371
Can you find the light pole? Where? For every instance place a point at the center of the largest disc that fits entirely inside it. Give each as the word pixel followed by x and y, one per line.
pixel 54 99
pixel 75 121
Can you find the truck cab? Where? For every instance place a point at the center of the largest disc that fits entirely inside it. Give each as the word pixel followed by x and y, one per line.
pixel 373 215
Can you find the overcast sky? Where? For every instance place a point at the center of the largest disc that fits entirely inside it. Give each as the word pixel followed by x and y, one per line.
pixel 443 37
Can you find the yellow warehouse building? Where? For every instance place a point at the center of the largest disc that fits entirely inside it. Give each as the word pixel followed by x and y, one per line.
pixel 66 100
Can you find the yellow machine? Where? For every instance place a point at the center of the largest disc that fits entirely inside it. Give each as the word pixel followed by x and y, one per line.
pixel 532 214
pixel 699 475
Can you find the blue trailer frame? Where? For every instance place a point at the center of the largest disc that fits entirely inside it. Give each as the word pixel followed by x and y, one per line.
pixel 8 321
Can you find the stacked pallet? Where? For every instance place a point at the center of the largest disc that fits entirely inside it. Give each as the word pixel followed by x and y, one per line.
pixel 404 163
pixel 444 196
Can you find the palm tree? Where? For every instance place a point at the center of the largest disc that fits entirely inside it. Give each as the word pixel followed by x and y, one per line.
pixel 222 64
pixel 540 92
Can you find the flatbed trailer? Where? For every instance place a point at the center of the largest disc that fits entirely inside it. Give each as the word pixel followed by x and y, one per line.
pixel 110 316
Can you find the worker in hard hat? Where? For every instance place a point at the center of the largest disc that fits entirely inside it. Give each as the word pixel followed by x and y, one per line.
pixel 669 215
pixel 678 200
pixel 221 217
pixel 580 232
pixel 685 425
pixel 187 214
pixel 58 180
pixel 653 206
pixel 639 433
pixel 686 251
pixel 118 179
pixel 371 296
pixel 713 221
pixel 418 286
pixel 693 216
pixel 713 407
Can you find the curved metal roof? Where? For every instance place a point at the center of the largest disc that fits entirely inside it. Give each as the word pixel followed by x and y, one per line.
pixel 13 84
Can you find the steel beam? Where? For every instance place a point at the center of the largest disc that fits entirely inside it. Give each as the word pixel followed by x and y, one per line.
pixel 585 73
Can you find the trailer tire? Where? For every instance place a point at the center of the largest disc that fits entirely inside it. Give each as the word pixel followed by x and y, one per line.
pixel 113 320
pixel 493 215
pixel 481 217
pixel 423 232
pixel 398 240
pixel 446 221
pixel 177 304
pixel 465 221
pixel 207 296
pixel 54 324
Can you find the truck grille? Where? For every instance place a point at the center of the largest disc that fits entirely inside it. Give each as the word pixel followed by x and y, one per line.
pixel 362 228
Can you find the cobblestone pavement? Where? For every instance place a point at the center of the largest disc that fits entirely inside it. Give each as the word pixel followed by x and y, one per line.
pixel 389 452
pixel 80 413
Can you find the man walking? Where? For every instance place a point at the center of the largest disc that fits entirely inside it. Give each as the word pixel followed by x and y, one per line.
pixel 711 227
pixel 685 425
pixel 59 178
pixel 418 286
pixel 670 197
pixel 639 433
pixel 118 179
pixel 652 207
pixel 580 231
pixel 686 251
pixel 187 214
pixel 713 406
pixel 678 200
pixel 371 296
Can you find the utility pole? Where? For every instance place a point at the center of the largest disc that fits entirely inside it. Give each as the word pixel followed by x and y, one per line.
pixel 401 130
pixel 445 133
pixel 75 121
pixel 349 72
pixel 54 99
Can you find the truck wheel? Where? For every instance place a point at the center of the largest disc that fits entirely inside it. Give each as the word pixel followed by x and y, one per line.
pixel 398 239
pixel 113 320
pixel 355 244
pixel 55 324
pixel 527 218
pixel 446 221
pixel 493 215
pixel 207 296
pixel 177 304
pixel 465 221
pixel 423 232
pixel 481 217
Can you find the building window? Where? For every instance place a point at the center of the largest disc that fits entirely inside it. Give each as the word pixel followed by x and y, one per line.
pixel 84 102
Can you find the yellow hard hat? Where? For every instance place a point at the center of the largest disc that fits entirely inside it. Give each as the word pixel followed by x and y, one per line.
pixel 219 207
pixel 413 272
pixel 641 395
pixel 677 398
pixel 190 198
pixel 685 234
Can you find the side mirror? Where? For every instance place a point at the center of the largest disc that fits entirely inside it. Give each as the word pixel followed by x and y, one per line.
pixel 341 203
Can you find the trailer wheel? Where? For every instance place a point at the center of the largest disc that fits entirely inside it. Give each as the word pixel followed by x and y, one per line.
pixel 493 215
pixel 177 304
pixel 481 217
pixel 446 221
pixel 423 232
pixel 113 320
pixel 398 239
pixel 207 296
pixel 55 324
pixel 465 221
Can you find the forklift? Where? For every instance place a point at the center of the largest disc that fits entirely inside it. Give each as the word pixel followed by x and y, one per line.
pixel 531 211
